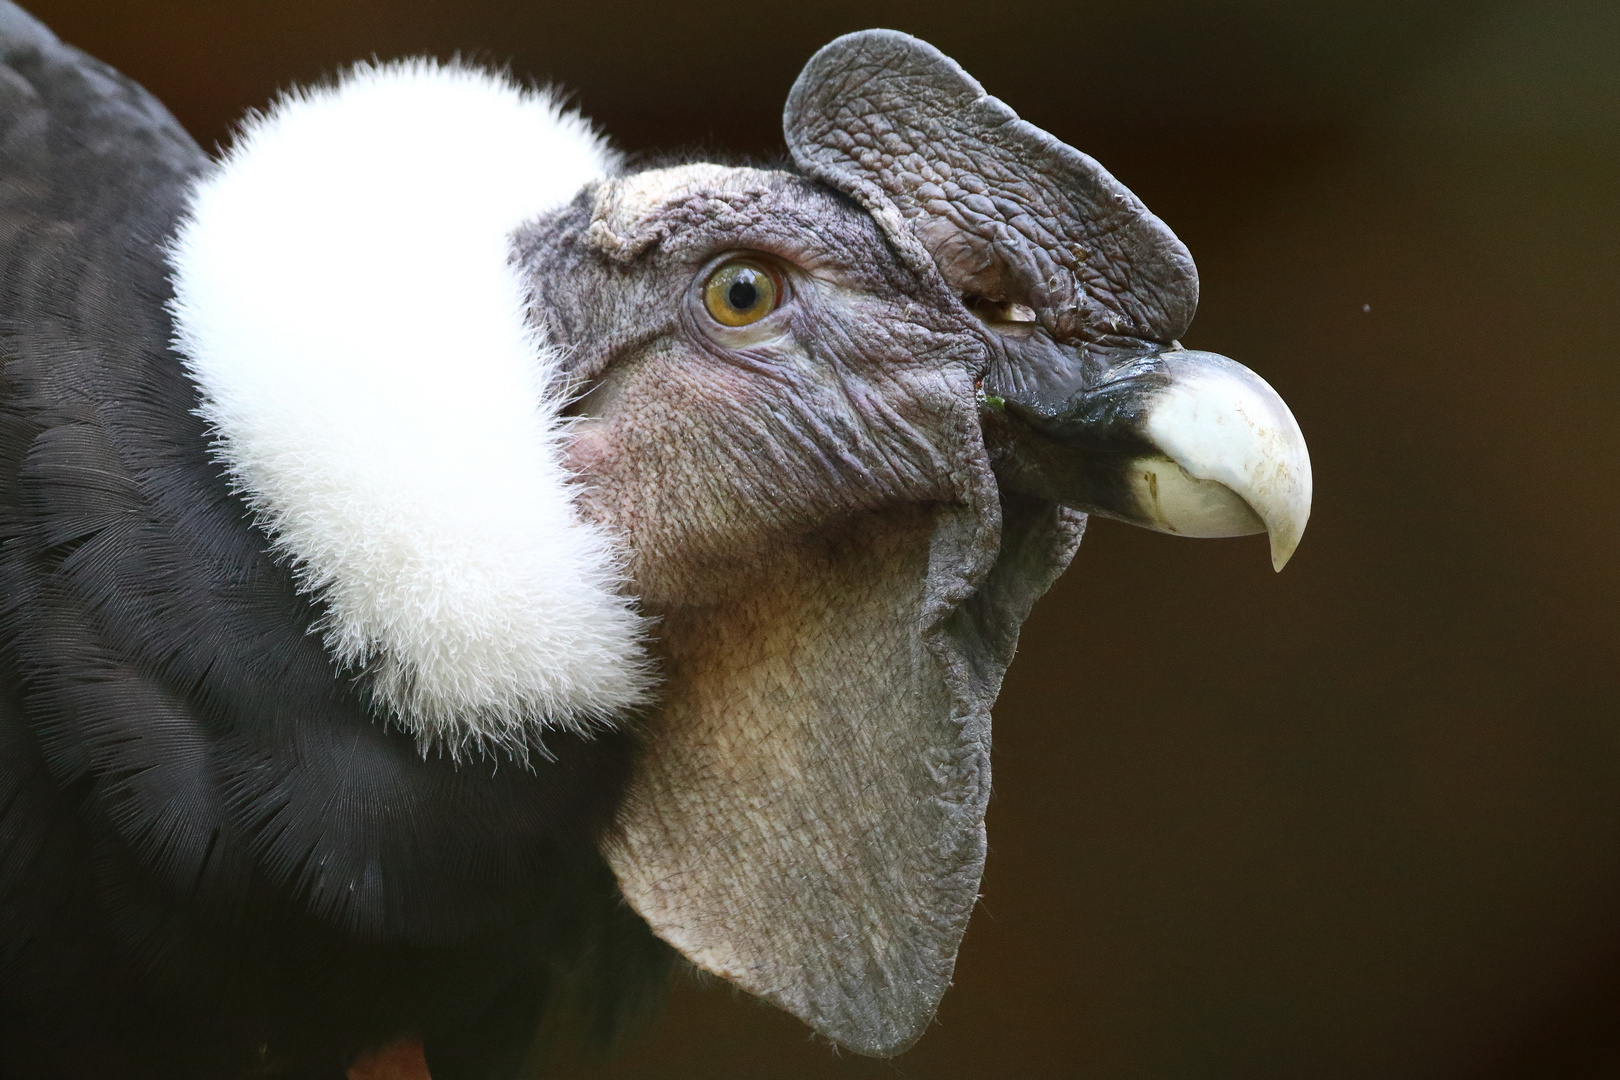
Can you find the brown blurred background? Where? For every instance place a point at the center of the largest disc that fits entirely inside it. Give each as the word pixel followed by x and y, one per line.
pixel 1361 819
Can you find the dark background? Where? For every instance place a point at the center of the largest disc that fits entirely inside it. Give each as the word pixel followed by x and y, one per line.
pixel 1361 819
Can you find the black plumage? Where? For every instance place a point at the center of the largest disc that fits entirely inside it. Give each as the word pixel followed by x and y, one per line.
pixel 210 851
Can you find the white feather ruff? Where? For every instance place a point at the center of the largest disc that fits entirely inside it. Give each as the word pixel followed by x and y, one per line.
pixel 346 302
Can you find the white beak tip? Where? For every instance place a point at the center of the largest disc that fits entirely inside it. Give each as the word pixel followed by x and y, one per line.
pixel 1286 534
pixel 1282 549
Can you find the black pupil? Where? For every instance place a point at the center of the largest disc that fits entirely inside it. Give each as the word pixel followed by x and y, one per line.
pixel 742 294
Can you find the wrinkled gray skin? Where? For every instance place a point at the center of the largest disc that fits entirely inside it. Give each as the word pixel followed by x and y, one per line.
pixel 813 512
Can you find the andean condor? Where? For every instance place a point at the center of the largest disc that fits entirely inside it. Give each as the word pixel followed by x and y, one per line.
pixel 446 573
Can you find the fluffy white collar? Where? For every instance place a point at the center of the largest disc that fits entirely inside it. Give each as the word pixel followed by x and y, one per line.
pixel 345 301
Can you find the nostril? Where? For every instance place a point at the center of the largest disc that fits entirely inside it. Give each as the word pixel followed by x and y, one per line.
pixel 1001 314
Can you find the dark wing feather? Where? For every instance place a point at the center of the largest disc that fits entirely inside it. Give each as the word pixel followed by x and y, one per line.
pixel 201 821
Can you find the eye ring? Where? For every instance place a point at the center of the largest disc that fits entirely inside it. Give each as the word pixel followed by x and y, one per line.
pixel 741 291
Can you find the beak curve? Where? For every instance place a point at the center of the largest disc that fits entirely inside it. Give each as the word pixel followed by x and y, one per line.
pixel 1177 441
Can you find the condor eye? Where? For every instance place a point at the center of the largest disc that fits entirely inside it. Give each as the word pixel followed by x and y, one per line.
pixel 741 292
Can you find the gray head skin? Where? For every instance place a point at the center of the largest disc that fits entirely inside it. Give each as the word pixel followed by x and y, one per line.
pixel 707 446
pixel 841 513
pixel 809 503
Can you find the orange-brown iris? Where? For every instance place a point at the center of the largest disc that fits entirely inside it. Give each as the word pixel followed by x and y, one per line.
pixel 740 292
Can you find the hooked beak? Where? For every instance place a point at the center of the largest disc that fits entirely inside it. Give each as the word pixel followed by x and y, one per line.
pixel 1177 441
